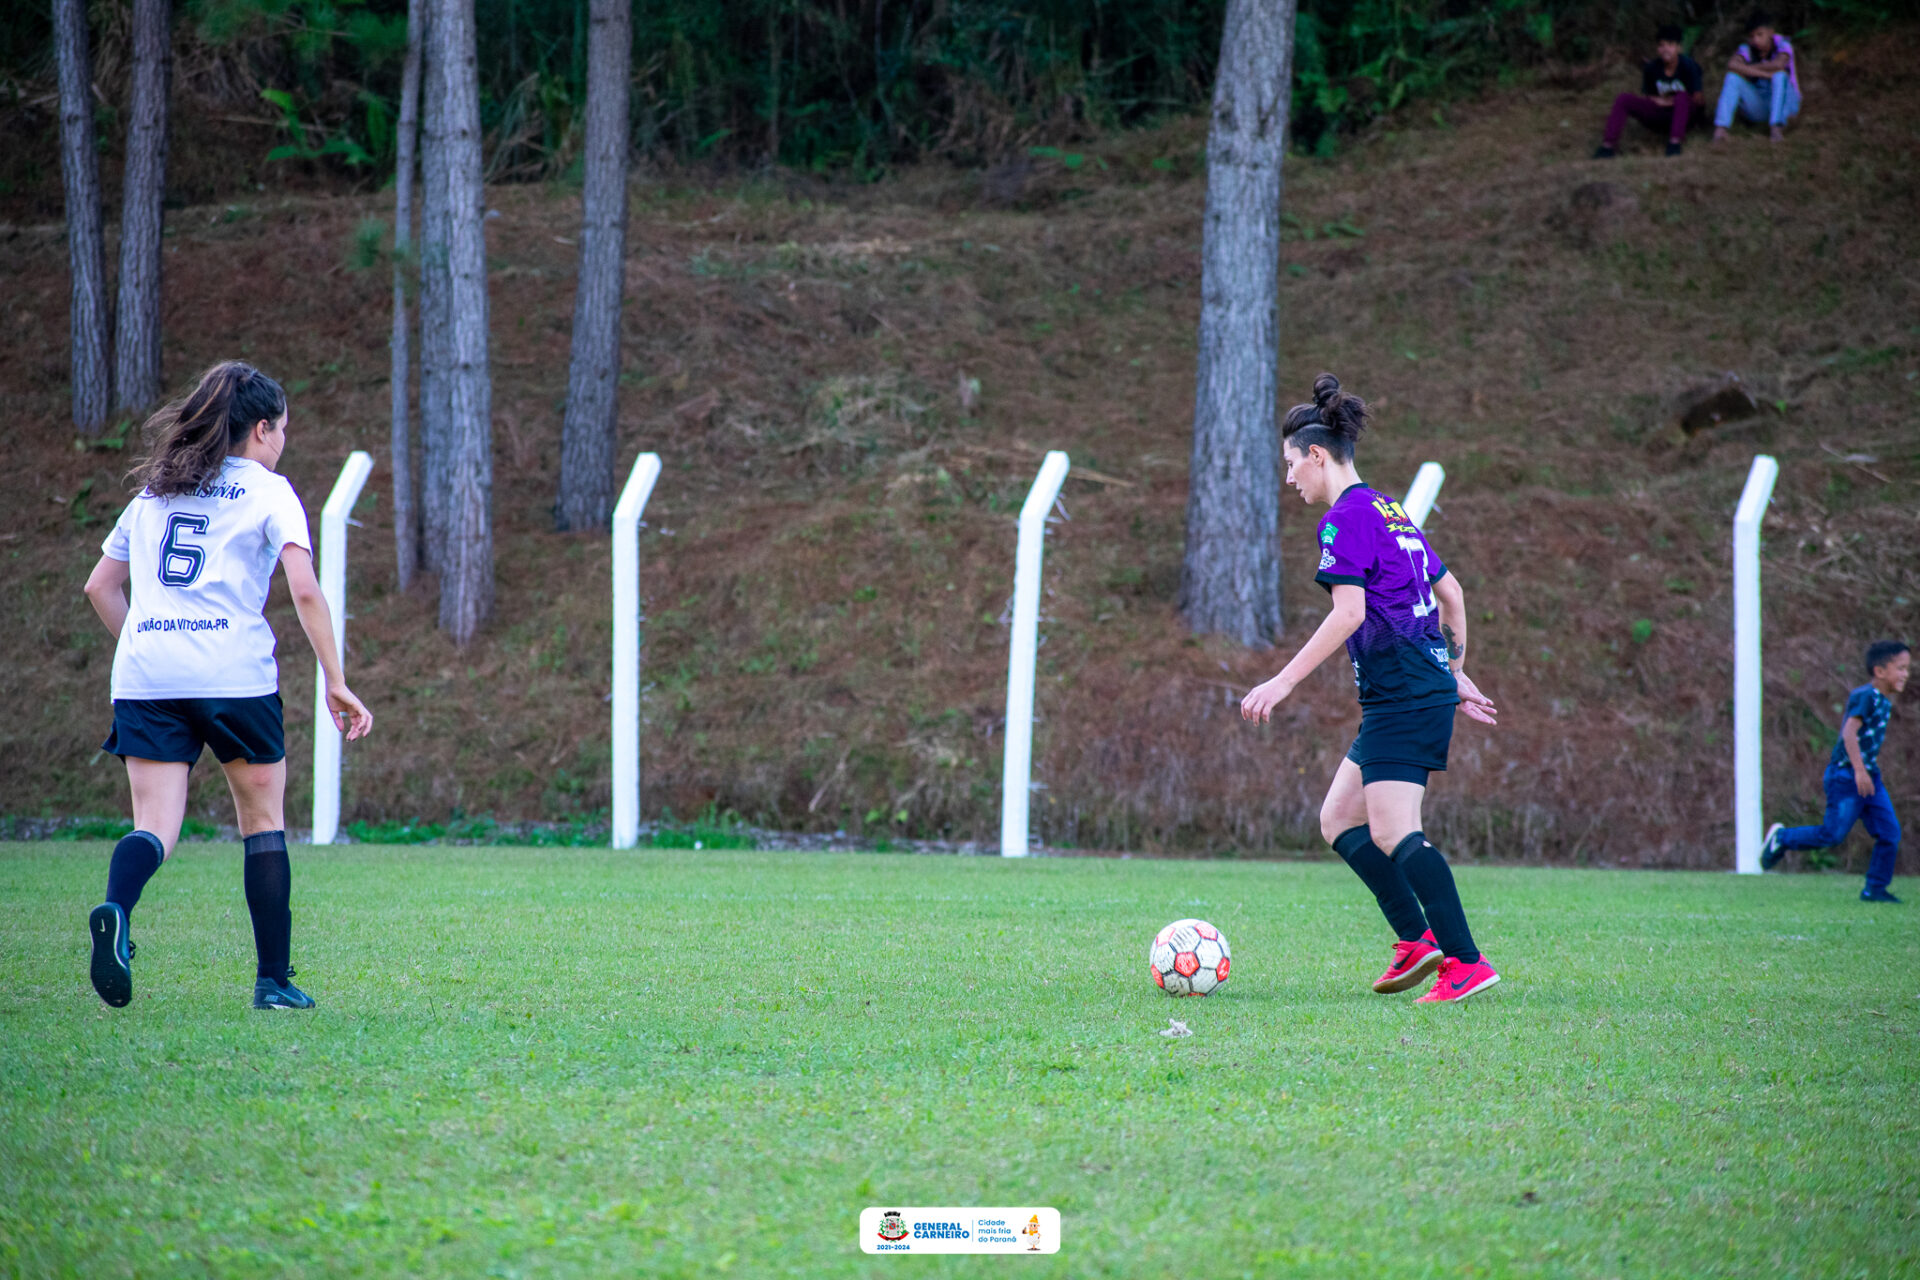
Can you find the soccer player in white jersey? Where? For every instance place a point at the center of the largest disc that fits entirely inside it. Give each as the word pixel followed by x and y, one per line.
pixel 194 665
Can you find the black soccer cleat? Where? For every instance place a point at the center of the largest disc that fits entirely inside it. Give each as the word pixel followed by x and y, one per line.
pixel 112 968
pixel 280 993
pixel 1603 152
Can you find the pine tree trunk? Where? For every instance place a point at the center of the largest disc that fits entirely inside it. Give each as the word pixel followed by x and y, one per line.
pixel 434 320
pixel 1230 577
pixel 136 330
pixel 466 580
pixel 86 243
pixel 593 380
pixel 406 519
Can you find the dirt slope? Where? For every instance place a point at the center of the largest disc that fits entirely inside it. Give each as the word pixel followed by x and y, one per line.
pixel 831 547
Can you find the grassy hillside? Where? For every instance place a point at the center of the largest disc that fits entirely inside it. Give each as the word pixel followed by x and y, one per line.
pixel 831 546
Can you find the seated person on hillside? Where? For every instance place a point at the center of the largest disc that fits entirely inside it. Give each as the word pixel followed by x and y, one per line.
pixel 1671 97
pixel 1762 84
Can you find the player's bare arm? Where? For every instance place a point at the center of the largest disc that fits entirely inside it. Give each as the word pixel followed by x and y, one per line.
pixel 106 591
pixel 1349 611
pixel 1452 600
pixel 316 619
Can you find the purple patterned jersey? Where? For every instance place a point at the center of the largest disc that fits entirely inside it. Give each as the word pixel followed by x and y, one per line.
pixel 1399 657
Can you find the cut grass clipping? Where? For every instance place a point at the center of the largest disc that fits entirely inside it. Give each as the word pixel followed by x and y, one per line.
pixel 579 1063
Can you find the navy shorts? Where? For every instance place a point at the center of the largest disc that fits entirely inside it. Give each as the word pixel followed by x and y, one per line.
pixel 1402 746
pixel 175 729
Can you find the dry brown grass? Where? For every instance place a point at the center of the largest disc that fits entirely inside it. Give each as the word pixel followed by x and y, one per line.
pixel 830 549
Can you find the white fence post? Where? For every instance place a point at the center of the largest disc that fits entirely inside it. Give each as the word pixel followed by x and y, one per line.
pixel 626 649
pixel 1426 488
pixel 333 585
pixel 1018 767
pixel 1746 664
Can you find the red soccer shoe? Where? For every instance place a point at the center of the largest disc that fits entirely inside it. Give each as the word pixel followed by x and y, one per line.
pixel 1412 962
pixel 1459 980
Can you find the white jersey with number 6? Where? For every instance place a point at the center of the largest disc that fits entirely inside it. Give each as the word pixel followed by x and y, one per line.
pixel 199 567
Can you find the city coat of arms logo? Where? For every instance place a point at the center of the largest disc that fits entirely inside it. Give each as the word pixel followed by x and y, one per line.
pixel 892 1225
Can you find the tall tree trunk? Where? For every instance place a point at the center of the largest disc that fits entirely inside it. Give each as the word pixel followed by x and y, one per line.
pixel 593 380
pixel 136 330
pixel 86 244
pixel 466 581
pixel 435 322
pixel 1230 577
pixel 406 518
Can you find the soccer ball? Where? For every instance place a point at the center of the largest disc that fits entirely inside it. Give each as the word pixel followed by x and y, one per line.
pixel 1189 958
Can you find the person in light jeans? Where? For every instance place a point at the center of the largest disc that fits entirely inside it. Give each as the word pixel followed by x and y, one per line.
pixel 1762 84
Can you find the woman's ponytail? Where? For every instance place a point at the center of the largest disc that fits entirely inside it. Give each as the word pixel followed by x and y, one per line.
pixel 1333 421
pixel 188 441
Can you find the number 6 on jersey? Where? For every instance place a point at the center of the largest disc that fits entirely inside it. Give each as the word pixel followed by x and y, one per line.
pixel 180 560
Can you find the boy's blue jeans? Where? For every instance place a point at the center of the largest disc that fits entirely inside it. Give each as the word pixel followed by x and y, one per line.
pixel 1846 806
pixel 1774 100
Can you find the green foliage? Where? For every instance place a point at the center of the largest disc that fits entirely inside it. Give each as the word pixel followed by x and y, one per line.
pixel 342 145
pixel 93 829
pixel 1357 60
pixel 191 828
pixel 827 86
pixel 114 437
pixel 369 244
pixel 711 830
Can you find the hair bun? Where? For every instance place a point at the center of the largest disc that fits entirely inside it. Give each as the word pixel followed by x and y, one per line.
pixel 1326 390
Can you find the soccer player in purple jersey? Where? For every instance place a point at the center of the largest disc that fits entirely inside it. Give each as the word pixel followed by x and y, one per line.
pixel 1403 620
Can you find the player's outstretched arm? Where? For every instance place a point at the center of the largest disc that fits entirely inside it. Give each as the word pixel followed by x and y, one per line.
pixel 1349 611
pixel 316 620
pixel 106 591
pixel 1453 626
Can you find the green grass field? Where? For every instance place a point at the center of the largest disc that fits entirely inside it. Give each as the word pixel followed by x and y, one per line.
pixel 579 1063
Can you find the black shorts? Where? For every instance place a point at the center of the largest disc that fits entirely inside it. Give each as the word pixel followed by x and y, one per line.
pixel 175 729
pixel 1402 746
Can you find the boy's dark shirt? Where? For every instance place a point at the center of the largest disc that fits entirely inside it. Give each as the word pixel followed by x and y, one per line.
pixel 1656 83
pixel 1874 709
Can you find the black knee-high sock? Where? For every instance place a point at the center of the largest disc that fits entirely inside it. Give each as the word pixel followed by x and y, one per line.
pixel 1432 880
pixel 269 878
pixel 1389 884
pixel 135 859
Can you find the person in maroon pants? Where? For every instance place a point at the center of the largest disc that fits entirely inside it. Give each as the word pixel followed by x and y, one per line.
pixel 1672 97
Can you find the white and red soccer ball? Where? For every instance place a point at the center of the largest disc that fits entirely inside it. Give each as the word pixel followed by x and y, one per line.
pixel 1189 958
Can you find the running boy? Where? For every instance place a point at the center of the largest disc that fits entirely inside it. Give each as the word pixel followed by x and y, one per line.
pixel 1403 620
pixel 194 666
pixel 1855 791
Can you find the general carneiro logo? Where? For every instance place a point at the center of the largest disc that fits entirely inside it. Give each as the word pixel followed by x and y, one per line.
pixel 969 1229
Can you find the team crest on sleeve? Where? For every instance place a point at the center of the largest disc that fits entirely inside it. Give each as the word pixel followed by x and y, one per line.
pixel 1328 533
